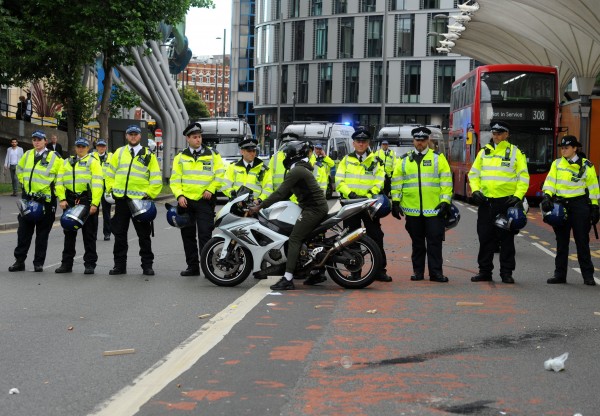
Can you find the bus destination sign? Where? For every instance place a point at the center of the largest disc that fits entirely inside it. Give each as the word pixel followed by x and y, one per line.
pixel 521 114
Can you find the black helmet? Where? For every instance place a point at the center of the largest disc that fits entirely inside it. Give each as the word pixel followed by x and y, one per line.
pixel 295 151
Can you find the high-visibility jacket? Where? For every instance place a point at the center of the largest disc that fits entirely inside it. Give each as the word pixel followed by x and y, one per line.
pixel 82 176
pixel 569 180
pixel 388 158
pixel 258 178
pixel 104 162
pixel 323 165
pixel 499 172
pixel 192 175
pixel 421 187
pixel 277 168
pixel 134 178
pixel 39 177
pixel 364 178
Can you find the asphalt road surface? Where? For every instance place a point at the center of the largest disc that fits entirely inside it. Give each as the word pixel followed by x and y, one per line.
pixel 418 348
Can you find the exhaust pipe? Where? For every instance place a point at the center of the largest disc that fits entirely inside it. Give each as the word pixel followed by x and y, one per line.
pixel 344 242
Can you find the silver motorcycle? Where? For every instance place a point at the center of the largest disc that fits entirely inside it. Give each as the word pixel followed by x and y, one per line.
pixel 243 244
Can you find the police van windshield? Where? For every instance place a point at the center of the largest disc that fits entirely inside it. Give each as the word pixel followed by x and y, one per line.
pixel 227 147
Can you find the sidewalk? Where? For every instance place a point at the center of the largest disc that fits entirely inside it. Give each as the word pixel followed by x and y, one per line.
pixel 9 211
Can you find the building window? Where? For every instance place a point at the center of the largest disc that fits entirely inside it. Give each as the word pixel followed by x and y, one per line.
pixel 246 80
pixel 346 31
pixel 316 7
pixel 436 26
pixel 367 6
pixel 298 52
pixel 374 36
pixel 431 4
pixel 294 8
pixel 302 80
pixel 376 81
pixel 351 82
pixel 405 28
pixel 284 84
pixel 398 5
pixel 325 85
pixel 445 78
pixel 320 39
pixel 412 82
pixel 340 6
pixel 206 97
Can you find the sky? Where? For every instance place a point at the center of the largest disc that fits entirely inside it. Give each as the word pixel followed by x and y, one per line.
pixel 204 25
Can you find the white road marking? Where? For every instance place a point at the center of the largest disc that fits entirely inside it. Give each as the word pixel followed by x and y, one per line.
pixel 472 210
pixel 578 270
pixel 129 400
pixel 544 249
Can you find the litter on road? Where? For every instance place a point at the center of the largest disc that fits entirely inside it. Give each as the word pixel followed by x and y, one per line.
pixel 119 352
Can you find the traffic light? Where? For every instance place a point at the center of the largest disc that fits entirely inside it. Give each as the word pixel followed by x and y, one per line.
pixel 267 131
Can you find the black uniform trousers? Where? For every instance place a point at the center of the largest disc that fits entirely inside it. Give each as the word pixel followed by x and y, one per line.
pixel 428 230
pixel 202 213
pixel 374 231
pixel 42 231
pixel 578 220
pixel 120 227
pixel 89 230
pixel 306 223
pixel 490 235
pixel 106 207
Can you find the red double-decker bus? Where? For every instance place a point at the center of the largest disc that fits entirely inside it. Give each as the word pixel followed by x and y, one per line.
pixel 526 97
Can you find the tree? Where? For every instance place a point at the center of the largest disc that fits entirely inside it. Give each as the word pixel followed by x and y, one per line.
pixel 122 98
pixel 194 104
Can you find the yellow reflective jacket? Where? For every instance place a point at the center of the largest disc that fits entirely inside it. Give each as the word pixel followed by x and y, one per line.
pixel 388 158
pixel 364 178
pixel 569 180
pixel 39 176
pixel 258 179
pixel 81 176
pixel 104 163
pixel 277 169
pixel 192 175
pixel 499 172
pixel 134 178
pixel 323 165
pixel 420 187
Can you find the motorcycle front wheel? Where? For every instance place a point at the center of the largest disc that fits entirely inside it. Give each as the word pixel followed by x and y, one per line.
pixel 232 270
pixel 356 266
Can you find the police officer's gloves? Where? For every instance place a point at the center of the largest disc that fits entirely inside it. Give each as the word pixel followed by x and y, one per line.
pixel 478 198
pixel 513 201
pixel 594 214
pixel 352 195
pixel 547 203
pixel 443 210
pixel 397 210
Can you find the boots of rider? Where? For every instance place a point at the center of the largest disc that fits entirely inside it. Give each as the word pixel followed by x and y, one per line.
pixel 314 278
pixel 285 283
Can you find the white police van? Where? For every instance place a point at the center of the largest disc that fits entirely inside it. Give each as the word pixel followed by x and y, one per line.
pixel 224 134
pixel 336 139
pixel 400 138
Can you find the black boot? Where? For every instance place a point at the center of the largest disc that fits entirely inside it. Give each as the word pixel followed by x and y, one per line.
pixel 283 284
pixel 17 267
pixel 64 269
pixel 481 277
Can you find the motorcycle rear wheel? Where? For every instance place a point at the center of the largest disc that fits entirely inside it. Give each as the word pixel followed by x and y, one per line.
pixel 356 266
pixel 232 274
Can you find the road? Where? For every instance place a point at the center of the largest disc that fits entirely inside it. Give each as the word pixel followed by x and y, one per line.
pixel 395 348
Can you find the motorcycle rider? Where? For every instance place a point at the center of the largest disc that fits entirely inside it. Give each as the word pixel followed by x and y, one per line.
pixel 299 181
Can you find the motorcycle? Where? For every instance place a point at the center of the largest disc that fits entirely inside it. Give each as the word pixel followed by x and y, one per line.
pixel 245 244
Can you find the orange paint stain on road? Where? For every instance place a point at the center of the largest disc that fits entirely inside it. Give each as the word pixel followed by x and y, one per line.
pixel 177 406
pixel 209 395
pixel 258 337
pixel 232 362
pixel 296 352
pixel 270 384
pixel 314 327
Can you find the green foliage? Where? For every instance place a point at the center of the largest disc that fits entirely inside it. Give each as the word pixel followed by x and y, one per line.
pixel 122 98
pixel 194 104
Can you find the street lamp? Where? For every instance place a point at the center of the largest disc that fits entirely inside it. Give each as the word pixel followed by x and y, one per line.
pixel 216 106
pixel 294 106
pixel 223 76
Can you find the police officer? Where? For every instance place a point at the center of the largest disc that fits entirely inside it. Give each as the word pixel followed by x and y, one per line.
pixel 360 175
pixel 81 182
pixel 104 158
pixel 250 172
pixel 198 172
pixel 133 173
pixel 300 182
pixel 388 159
pixel 422 189
pixel 276 162
pixel 323 165
pixel 573 182
pixel 38 172
pixel 499 180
